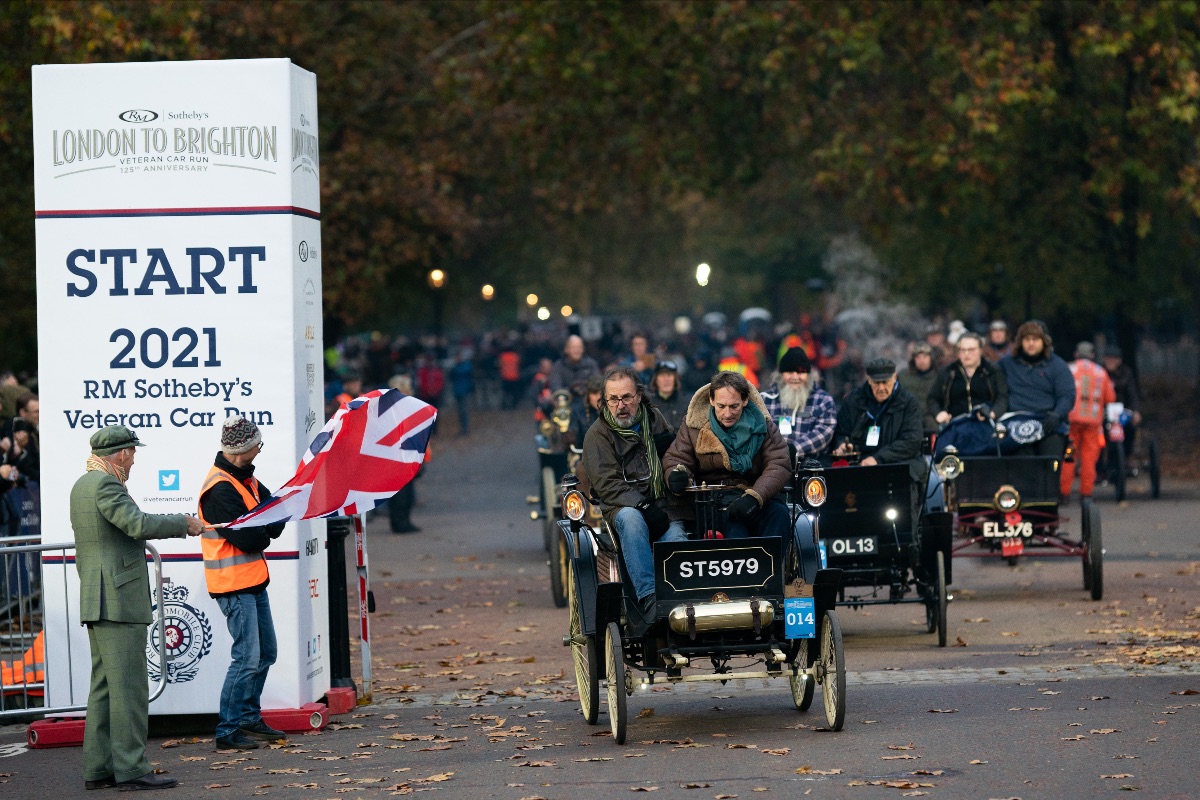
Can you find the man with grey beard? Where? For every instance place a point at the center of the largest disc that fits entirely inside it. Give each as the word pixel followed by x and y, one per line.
pixel 805 413
pixel 622 457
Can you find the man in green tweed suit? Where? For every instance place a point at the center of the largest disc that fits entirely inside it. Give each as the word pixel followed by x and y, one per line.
pixel 114 603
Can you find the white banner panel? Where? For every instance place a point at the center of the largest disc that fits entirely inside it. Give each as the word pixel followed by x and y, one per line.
pixel 179 282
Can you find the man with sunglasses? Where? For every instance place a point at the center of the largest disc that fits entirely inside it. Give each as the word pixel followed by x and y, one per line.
pixel 622 457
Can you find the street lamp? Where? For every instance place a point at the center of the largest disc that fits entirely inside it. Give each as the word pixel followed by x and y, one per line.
pixel 436 280
pixel 543 313
pixel 488 291
pixel 566 311
pixel 531 300
pixel 702 273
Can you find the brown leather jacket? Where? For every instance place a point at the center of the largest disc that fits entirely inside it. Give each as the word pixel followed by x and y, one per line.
pixel 697 449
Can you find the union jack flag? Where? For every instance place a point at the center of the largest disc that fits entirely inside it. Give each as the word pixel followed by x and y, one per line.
pixel 367 452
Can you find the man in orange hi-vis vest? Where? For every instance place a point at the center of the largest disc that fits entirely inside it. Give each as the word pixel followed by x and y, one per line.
pixel 236 573
pixel 1093 391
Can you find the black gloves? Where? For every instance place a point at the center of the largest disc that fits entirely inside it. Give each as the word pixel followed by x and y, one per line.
pixel 678 480
pixel 656 519
pixel 744 508
pixel 1050 424
pixel 662 441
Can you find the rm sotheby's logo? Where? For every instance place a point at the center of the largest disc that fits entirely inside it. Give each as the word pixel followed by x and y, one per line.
pixel 188 637
pixel 137 115
pixel 168 480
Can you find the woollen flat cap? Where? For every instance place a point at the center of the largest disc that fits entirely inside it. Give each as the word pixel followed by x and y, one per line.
pixel 880 369
pixel 1085 350
pixel 239 435
pixel 795 360
pixel 113 439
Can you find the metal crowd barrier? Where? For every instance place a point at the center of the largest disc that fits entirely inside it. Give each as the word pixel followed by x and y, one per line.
pixel 23 565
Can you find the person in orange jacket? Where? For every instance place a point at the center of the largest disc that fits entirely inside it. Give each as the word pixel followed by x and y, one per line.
pixel 236 575
pixel 1093 392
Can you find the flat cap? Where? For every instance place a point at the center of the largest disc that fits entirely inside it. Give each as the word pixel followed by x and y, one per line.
pixel 113 439
pixel 881 369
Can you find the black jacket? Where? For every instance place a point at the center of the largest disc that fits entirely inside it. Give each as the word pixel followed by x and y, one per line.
pixel 673 408
pixel 955 394
pixel 900 431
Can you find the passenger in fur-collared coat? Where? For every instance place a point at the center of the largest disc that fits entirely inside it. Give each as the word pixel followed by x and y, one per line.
pixel 726 438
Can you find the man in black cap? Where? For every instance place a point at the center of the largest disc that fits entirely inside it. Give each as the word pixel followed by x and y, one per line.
pixel 114 603
pixel 882 421
pixel 804 412
pixel 667 394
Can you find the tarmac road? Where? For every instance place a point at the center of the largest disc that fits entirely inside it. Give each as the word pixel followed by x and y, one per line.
pixel 1049 695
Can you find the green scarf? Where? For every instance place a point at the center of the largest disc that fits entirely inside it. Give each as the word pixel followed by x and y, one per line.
pixel 743 439
pixel 642 424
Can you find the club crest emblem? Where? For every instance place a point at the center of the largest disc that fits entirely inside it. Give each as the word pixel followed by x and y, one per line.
pixel 188 636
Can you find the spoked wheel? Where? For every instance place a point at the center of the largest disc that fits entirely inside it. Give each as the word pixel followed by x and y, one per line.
pixel 560 561
pixel 549 506
pixel 1116 469
pixel 618 715
pixel 931 593
pixel 583 655
pixel 803 685
pixel 941 600
pixel 1093 556
pixel 833 672
pixel 1155 486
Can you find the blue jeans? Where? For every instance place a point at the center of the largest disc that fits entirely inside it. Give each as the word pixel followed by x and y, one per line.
pixel 248 617
pixel 773 519
pixel 635 547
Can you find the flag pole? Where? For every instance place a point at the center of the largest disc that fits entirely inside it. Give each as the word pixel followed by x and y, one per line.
pixel 364 604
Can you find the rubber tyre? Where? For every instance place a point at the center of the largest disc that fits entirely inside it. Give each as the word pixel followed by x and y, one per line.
pixel 1155 475
pixel 1095 551
pixel 614 654
pixel 549 507
pixel 803 687
pixel 1116 469
pixel 560 560
pixel 1086 537
pixel 833 672
pixel 942 600
pixel 583 656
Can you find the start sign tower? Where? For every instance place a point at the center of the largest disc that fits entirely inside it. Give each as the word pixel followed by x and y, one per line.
pixel 179 283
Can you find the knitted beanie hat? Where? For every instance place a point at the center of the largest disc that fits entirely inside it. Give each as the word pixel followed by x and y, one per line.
pixel 239 435
pixel 795 360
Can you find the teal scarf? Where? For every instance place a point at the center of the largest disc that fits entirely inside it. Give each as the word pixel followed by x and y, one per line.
pixel 641 430
pixel 741 441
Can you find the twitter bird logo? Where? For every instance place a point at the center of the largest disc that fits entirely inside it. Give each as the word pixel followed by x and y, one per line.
pixel 168 480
